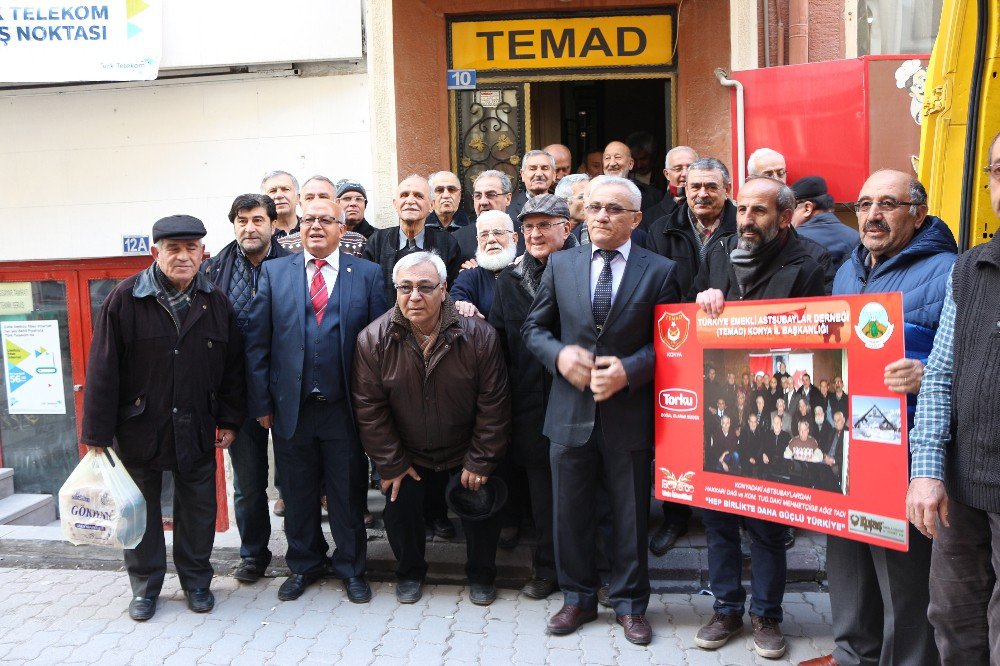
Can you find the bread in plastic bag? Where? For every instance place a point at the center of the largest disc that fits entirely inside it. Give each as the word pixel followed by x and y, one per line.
pixel 100 505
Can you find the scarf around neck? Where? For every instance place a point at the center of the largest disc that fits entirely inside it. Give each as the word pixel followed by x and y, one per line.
pixel 749 265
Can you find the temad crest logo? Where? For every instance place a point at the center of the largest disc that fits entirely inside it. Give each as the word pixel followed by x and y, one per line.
pixel 873 326
pixel 673 328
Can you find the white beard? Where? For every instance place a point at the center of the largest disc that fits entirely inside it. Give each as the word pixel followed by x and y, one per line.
pixel 497 262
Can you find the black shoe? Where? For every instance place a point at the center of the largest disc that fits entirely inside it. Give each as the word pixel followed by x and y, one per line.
pixel 789 537
pixel 201 600
pixel 443 528
pixel 251 569
pixel 510 537
pixel 604 595
pixel 141 609
pixel 539 588
pixel 482 594
pixel 409 591
pixel 358 591
pixel 295 585
pixel 665 538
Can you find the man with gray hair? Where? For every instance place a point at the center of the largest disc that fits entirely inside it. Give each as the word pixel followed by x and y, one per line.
pixel 676 165
pixel 767 162
pixel 423 347
pixel 538 173
pixel 446 196
pixel 491 190
pixel 283 189
pixel 473 288
pixel 763 260
pixel 573 188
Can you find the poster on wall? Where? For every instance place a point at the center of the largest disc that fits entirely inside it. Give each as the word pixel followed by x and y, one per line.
pixel 33 367
pixel 778 410
pixel 53 41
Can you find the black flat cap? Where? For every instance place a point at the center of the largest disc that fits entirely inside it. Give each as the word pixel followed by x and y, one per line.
pixel 809 187
pixel 345 186
pixel 178 227
pixel 544 204
pixel 475 505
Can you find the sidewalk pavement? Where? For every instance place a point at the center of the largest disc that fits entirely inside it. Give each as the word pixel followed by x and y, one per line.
pixel 62 616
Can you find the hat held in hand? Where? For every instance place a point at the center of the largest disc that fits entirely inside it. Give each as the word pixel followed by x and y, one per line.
pixel 475 504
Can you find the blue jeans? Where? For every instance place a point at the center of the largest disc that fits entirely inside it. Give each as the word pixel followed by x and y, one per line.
pixel 725 564
pixel 249 456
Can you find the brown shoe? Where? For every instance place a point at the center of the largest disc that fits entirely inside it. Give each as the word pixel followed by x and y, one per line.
pixel 279 507
pixel 569 619
pixel 604 596
pixel 718 631
pixel 826 660
pixel 637 630
pixel 768 641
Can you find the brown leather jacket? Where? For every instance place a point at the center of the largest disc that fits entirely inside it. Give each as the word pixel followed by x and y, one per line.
pixel 453 409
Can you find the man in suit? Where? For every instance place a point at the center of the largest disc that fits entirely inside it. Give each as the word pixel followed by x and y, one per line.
pixel 834 452
pixel 591 326
pixel 809 393
pixel 538 174
pixel 304 321
pixel 387 246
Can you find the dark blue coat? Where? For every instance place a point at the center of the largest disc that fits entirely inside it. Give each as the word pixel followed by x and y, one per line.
pixel 475 285
pixel 837 238
pixel 920 271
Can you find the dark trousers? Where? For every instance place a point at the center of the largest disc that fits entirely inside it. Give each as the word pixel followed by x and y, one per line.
pixel 725 564
pixel 250 467
pixel 540 490
pixel 404 526
pixel 194 530
pixel 879 599
pixel 323 452
pixel 964 597
pixel 676 515
pixel 577 473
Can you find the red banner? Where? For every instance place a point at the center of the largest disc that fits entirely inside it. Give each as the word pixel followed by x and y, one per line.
pixel 825 452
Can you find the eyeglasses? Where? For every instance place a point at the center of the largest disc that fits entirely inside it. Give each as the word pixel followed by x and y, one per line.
pixel 325 221
pixel 613 209
pixel 887 205
pixel 350 199
pixel 493 233
pixel 993 170
pixel 488 195
pixel 424 289
pixel 528 229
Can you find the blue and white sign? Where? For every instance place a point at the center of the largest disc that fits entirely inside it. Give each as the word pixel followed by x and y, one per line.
pixel 135 245
pixel 461 79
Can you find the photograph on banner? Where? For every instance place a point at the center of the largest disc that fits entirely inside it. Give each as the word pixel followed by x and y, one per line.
pixel 779 410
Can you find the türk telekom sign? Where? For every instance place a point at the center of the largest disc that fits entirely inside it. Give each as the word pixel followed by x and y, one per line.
pixel 52 41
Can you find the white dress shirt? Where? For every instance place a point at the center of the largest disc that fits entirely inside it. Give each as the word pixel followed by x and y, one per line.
pixel 330 271
pixel 617 268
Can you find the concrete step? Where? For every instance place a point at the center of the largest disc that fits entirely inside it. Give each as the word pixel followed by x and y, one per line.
pixel 6 482
pixel 24 509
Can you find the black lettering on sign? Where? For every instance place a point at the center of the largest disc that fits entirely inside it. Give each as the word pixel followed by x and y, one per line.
pixel 513 44
pixel 595 42
pixel 567 42
pixel 641 42
pixel 490 36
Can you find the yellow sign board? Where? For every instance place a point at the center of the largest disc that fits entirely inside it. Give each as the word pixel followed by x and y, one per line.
pixel 15 298
pixel 562 43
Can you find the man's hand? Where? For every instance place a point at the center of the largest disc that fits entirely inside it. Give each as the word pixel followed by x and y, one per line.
pixel 765 459
pixel 467 309
pixel 608 377
pixel 926 502
pixel 575 364
pixel 471 263
pixel 266 421
pixel 397 482
pixel 904 375
pixel 829 460
pixel 224 437
pixel 712 302
pixel 473 481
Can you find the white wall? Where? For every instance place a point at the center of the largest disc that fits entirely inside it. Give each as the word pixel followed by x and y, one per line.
pixel 81 167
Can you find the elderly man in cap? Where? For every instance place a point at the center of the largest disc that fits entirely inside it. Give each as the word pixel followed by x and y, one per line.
pixel 354 200
pixel 813 218
pixel 165 387
pixel 473 288
pixel 545 232
pixel 410 363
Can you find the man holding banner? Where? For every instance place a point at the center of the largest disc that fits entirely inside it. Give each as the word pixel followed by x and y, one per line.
pixel 763 260
pixel 879 596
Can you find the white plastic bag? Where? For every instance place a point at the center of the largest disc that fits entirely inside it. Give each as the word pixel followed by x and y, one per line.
pixel 100 505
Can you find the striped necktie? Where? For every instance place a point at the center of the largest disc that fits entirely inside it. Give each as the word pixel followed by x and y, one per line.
pixel 317 290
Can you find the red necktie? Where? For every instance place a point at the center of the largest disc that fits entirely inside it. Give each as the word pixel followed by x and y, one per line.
pixel 317 290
